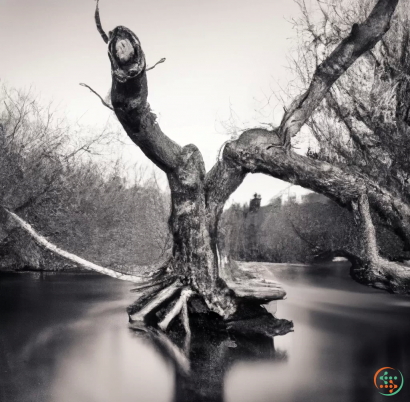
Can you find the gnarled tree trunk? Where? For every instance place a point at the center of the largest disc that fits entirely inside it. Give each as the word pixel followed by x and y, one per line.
pixel 198 197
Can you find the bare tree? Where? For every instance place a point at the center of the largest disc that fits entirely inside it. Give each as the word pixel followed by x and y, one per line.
pixel 363 124
pixel 51 172
pixel 198 197
pixel 36 154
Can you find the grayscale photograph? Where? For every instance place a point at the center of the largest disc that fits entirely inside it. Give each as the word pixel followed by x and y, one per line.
pixel 204 200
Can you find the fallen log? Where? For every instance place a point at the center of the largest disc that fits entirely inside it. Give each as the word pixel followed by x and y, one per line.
pixel 156 269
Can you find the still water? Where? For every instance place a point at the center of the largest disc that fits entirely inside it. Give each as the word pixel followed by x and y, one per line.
pixel 64 338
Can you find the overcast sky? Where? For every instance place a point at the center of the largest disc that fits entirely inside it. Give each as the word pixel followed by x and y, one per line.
pixel 221 55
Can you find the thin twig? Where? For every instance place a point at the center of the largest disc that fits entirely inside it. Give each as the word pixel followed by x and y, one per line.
pixel 102 100
pixel 158 62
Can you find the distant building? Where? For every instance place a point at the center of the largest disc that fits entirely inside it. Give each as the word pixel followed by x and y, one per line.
pixel 255 203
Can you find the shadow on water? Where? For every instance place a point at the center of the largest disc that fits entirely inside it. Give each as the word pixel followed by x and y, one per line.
pixel 65 338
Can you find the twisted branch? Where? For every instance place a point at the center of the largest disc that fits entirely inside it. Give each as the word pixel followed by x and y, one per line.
pixel 361 39
pixel 98 23
pixel 158 62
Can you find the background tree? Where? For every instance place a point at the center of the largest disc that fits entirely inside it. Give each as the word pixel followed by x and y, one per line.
pixel 314 229
pixel 50 174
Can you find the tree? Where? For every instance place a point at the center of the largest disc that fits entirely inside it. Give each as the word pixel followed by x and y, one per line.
pixel 363 123
pixel 49 174
pixel 197 197
pixel 36 159
pixel 271 233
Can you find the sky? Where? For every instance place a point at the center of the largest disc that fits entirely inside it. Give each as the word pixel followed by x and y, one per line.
pixel 224 60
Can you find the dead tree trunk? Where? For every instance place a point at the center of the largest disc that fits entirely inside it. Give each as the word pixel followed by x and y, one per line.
pixel 198 197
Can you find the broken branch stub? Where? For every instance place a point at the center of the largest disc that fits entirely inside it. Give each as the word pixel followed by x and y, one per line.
pixel 129 93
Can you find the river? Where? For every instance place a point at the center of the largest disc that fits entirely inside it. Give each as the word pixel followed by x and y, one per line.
pixel 64 338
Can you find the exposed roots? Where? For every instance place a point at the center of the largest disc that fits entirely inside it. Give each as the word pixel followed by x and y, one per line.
pixel 371 269
pixel 386 275
pixel 138 319
pixel 179 307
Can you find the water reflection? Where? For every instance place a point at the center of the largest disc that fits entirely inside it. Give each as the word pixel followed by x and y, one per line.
pixel 200 371
pixel 65 338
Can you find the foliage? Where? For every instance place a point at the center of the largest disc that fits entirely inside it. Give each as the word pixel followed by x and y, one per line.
pixel 364 120
pixel 50 176
pixel 299 232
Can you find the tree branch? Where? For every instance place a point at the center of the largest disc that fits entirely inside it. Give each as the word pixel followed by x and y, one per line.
pixel 361 209
pixel 158 62
pixel 342 184
pixel 129 93
pixel 361 39
pixel 98 24
pixel 101 99
pixel 220 182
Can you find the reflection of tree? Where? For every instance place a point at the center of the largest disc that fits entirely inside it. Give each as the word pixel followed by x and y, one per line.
pixel 200 369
